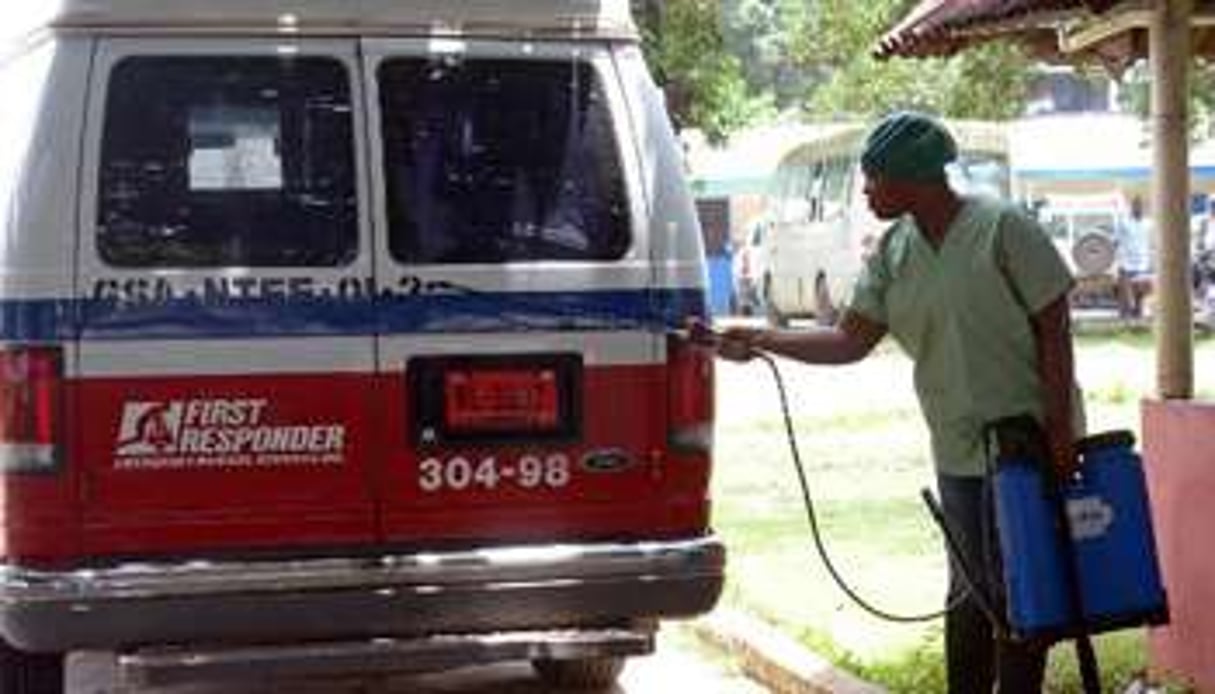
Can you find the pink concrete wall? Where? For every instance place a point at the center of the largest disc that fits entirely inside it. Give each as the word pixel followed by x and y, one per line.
pixel 1179 461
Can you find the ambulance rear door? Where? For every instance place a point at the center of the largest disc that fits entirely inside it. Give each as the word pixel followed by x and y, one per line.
pixel 520 350
pixel 226 353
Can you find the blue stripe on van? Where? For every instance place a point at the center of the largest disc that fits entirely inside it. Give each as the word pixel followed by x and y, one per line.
pixel 37 320
pixel 187 318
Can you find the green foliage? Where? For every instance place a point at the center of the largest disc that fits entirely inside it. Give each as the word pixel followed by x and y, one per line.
pixel 763 34
pixel 727 63
pixel 704 83
pixel 988 82
pixel 1136 95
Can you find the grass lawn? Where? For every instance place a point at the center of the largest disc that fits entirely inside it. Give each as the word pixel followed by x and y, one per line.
pixel 865 453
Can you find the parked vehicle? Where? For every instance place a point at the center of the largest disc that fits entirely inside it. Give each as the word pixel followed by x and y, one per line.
pixel 317 331
pixel 822 227
pixel 750 264
pixel 1085 228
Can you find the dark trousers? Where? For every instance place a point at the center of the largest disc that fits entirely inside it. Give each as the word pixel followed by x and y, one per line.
pixel 975 658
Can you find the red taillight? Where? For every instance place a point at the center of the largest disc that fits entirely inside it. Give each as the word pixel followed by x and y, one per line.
pixel 31 381
pixel 479 400
pixel 690 395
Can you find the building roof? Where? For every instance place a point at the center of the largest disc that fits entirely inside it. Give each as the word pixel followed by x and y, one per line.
pixel 943 27
pixel 541 18
pixel 1113 32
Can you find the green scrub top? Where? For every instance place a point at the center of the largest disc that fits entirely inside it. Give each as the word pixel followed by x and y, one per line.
pixel 961 312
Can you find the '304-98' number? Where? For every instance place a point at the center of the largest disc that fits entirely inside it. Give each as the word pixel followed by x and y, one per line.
pixel 528 472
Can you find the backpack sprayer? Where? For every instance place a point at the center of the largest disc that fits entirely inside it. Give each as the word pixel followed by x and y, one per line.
pixel 1078 554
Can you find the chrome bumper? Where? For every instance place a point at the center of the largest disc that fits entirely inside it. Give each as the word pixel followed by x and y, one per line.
pixel 492 589
pixel 161 667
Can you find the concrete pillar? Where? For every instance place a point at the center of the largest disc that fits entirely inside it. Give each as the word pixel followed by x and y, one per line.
pixel 1170 61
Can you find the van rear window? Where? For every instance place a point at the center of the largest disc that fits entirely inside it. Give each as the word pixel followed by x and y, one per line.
pixel 492 161
pixel 218 161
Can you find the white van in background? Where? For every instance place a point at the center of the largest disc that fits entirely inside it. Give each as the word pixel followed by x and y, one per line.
pixel 316 331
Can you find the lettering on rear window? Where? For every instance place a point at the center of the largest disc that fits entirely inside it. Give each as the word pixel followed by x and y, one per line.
pixel 221 433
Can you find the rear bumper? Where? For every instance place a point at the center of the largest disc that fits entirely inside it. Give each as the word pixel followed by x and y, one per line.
pixel 494 589
pixel 174 665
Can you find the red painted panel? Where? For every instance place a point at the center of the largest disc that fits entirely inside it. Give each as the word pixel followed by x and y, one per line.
pixel 181 464
pixel 176 466
pixel 1178 463
pixel 618 480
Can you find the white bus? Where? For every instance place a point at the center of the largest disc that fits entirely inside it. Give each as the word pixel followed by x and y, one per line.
pixel 819 226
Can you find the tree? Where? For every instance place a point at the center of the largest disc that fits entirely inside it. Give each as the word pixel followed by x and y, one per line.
pixel 686 51
pixel 727 63
pixel 837 38
pixel 757 32
pixel 1136 95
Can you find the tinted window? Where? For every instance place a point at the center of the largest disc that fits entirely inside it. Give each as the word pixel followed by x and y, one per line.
pixel 835 187
pixel 500 160
pixel 227 161
pixel 791 182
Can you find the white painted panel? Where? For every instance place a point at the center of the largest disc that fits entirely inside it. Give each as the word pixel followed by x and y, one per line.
pixel 302 355
pixel 597 348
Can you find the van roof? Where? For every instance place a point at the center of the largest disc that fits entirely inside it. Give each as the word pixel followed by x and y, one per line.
pixel 583 19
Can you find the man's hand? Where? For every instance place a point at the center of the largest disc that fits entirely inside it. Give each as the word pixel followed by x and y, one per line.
pixel 733 344
pixel 1062 451
pixel 739 343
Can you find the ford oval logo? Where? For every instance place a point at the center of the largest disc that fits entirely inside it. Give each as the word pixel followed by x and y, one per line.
pixel 609 460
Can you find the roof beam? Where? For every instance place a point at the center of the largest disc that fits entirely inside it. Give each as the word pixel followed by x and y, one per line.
pixel 1118 21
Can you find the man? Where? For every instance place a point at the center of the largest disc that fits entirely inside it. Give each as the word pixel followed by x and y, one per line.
pixel 1134 262
pixel 976 294
pixel 1204 266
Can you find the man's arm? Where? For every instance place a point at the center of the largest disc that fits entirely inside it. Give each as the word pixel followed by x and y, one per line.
pixel 849 340
pixel 1056 369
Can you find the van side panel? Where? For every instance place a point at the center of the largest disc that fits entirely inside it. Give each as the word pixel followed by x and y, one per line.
pixel 41 127
pixel 676 244
pixel 680 277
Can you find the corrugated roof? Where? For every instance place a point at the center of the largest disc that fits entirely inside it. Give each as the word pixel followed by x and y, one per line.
pixel 942 27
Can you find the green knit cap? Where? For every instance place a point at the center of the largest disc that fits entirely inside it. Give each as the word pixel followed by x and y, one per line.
pixel 909 146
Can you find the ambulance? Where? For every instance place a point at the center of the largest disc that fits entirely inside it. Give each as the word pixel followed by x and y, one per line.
pixel 344 336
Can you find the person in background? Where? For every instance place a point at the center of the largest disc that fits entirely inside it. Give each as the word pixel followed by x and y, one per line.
pixel 1207 243
pixel 1204 266
pixel 975 293
pixel 1134 259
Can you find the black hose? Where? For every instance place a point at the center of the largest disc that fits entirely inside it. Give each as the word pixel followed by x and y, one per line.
pixel 815 533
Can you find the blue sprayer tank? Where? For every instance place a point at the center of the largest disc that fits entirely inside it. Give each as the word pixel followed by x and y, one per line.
pixel 1111 533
